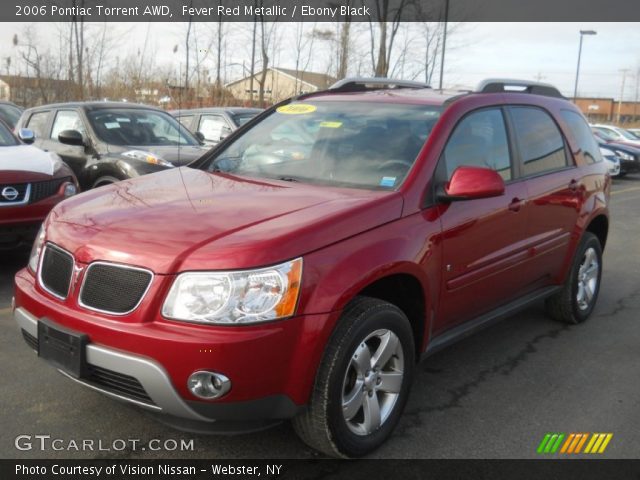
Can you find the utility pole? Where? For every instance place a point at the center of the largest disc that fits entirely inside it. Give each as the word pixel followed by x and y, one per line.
pixel 635 102
pixel 624 78
pixel 444 41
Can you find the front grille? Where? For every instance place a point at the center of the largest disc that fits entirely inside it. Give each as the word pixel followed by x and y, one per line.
pixel 48 188
pixel 113 288
pixel 56 271
pixel 30 339
pixel 9 190
pixel 117 383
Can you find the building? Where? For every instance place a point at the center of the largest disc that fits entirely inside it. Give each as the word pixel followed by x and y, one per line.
pixel 30 91
pixel 280 83
pixel 606 110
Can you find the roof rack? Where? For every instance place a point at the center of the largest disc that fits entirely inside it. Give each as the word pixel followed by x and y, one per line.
pixel 356 84
pixel 501 85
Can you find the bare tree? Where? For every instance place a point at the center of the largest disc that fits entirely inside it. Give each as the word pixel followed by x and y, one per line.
pixel 384 27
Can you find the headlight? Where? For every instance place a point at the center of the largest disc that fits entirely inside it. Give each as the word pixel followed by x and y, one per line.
pixel 34 257
pixel 624 155
pixel 240 297
pixel 147 157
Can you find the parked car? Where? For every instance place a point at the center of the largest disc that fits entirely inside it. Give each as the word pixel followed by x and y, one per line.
pixel 10 113
pixel 212 125
pixel 252 287
pixel 105 142
pixel 629 156
pixel 612 160
pixel 635 131
pixel 32 182
pixel 618 134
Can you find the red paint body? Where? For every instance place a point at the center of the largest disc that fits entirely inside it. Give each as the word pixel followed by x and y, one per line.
pixel 469 257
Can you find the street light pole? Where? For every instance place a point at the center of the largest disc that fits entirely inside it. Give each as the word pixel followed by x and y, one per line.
pixel 444 42
pixel 582 34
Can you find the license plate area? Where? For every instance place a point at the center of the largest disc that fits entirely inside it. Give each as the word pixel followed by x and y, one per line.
pixel 63 348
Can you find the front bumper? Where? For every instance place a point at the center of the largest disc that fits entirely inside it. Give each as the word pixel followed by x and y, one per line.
pixel 272 367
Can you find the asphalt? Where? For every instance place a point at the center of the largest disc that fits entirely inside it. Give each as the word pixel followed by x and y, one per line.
pixel 493 395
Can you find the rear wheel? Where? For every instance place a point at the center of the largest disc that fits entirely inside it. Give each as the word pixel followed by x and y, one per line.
pixel 577 299
pixel 363 381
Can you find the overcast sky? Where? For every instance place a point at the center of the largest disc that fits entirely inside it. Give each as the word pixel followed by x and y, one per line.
pixel 546 51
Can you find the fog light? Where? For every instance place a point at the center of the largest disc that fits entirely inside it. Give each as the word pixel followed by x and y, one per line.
pixel 208 385
pixel 69 190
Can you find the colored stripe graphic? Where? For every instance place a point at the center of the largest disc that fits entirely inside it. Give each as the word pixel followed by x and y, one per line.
pixel 574 443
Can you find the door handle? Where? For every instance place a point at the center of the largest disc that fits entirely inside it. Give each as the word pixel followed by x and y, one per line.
pixel 516 204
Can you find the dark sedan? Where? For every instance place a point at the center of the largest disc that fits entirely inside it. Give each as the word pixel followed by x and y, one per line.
pixel 213 124
pixel 629 156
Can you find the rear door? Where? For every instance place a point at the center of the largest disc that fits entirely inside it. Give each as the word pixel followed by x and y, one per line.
pixel 554 186
pixel 481 238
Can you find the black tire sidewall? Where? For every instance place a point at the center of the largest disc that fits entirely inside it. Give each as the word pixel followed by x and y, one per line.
pixel 589 241
pixel 346 441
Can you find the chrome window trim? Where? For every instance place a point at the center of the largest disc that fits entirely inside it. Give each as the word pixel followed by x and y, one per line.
pixel 73 266
pixel 117 265
pixel 24 201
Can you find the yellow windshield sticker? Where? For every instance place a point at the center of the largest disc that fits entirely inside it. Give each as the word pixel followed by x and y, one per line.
pixel 296 108
pixel 331 124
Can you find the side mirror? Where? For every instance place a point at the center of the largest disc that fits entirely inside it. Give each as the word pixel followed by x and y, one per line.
pixel 27 136
pixel 71 137
pixel 225 132
pixel 199 136
pixel 468 183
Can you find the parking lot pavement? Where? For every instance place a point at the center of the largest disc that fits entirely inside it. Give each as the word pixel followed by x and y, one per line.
pixel 493 395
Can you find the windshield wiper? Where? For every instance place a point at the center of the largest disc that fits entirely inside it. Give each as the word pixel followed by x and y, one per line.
pixel 288 179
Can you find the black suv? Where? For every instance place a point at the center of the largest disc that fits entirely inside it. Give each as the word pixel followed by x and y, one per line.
pixel 104 142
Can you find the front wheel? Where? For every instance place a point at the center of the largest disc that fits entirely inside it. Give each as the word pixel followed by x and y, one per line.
pixel 577 299
pixel 363 381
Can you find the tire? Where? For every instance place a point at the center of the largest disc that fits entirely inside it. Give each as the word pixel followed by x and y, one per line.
pixel 579 294
pixel 104 181
pixel 365 328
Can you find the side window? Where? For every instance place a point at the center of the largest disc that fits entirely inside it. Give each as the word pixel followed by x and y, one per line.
pixel 38 123
pixel 185 120
pixel 211 126
pixel 541 143
pixel 583 135
pixel 66 120
pixel 480 140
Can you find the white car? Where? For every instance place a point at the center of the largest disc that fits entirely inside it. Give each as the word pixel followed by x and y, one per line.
pixel 618 134
pixel 612 161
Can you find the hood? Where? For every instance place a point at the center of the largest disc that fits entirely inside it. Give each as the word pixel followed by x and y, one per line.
pixel 26 158
pixel 178 156
pixel 186 219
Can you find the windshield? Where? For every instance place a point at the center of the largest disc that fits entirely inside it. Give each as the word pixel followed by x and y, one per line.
pixel 371 145
pixel 6 137
pixel 10 114
pixel 128 126
pixel 604 134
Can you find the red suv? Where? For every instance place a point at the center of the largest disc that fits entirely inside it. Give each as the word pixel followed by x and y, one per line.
pixel 302 267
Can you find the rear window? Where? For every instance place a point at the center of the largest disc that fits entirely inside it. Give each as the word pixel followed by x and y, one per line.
pixel 370 145
pixel 541 143
pixel 583 135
